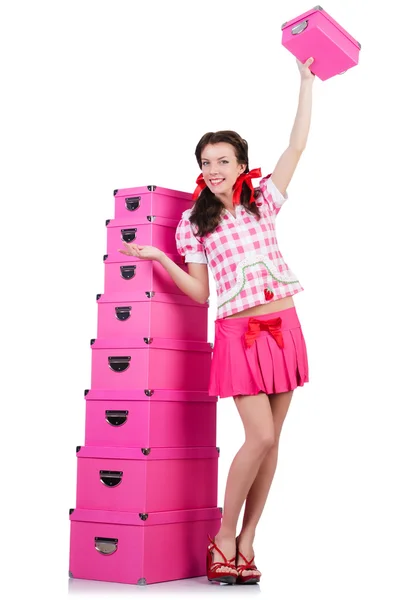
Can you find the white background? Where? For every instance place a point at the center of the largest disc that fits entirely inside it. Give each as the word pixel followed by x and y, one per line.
pixel 102 95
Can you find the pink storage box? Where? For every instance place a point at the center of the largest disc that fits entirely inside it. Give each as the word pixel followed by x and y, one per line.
pixel 157 363
pixel 315 33
pixel 140 549
pixel 126 274
pixel 141 314
pixel 145 231
pixel 151 200
pixel 164 418
pixel 146 479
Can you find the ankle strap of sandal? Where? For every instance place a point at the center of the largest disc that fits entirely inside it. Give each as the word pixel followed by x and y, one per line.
pixel 227 562
pixel 248 566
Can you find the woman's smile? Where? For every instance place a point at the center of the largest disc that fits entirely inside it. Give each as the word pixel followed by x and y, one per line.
pixel 217 181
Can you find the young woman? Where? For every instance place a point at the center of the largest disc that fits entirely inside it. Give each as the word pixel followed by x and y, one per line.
pixel 259 353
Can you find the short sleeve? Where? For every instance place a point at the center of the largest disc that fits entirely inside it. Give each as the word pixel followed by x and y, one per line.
pixel 187 244
pixel 272 197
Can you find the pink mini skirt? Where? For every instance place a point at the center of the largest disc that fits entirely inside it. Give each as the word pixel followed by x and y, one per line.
pixel 265 353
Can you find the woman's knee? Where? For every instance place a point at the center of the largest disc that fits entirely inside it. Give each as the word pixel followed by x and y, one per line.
pixel 257 417
pixel 261 441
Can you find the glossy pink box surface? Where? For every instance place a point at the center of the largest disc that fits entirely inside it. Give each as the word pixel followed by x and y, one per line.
pixel 146 479
pixel 120 364
pixel 157 231
pixel 124 548
pixel 126 274
pixel 163 418
pixel 316 34
pixel 159 315
pixel 151 200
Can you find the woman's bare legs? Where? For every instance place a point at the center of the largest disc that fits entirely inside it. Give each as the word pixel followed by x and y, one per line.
pixel 259 490
pixel 257 418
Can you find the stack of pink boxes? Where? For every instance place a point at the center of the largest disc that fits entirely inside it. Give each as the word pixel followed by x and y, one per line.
pixel 147 474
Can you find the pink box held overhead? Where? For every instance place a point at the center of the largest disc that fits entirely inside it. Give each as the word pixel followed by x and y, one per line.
pixel 316 34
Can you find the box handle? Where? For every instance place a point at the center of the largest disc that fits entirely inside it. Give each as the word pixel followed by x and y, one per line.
pixel 300 27
pixel 128 235
pixel 118 364
pixel 116 418
pixel 123 312
pixel 133 203
pixel 106 546
pixel 111 478
pixel 127 272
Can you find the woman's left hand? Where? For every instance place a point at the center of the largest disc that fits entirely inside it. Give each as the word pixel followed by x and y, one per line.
pixel 305 70
pixel 142 252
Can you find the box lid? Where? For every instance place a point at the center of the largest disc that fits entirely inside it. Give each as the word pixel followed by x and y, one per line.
pixel 318 8
pixel 146 395
pixel 121 453
pixel 139 296
pixel 139 220
pixel 153 343
pixel 153 189
pixel 145 520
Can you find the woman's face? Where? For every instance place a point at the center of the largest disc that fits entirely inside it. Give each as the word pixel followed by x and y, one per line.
pixel 220 168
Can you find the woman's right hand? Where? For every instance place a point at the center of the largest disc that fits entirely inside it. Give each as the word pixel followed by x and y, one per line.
pixel 142 252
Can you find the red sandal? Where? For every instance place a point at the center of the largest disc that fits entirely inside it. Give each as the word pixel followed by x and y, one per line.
pixel 248 566
pixel 212 574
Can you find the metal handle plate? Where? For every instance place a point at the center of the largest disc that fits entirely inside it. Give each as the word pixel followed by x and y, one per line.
pixel 133 203
pixel 116 418
pixel 127 272
pixel 111 478
pixel 300 27
pixel 123 312
pixel 119 363
pixel 128 235
pixel 106 546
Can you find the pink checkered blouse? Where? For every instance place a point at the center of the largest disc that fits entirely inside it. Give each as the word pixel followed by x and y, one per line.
pixel 243 254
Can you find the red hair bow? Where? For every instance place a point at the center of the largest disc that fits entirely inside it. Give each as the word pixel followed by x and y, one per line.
pixel 200 186
pixel 238 186
pixel 244 177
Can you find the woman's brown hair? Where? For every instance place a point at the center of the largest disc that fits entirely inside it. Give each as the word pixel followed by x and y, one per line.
pixel 207 209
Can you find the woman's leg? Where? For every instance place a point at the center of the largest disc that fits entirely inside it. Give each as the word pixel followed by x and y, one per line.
pixel 256 415
pixel 259 490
